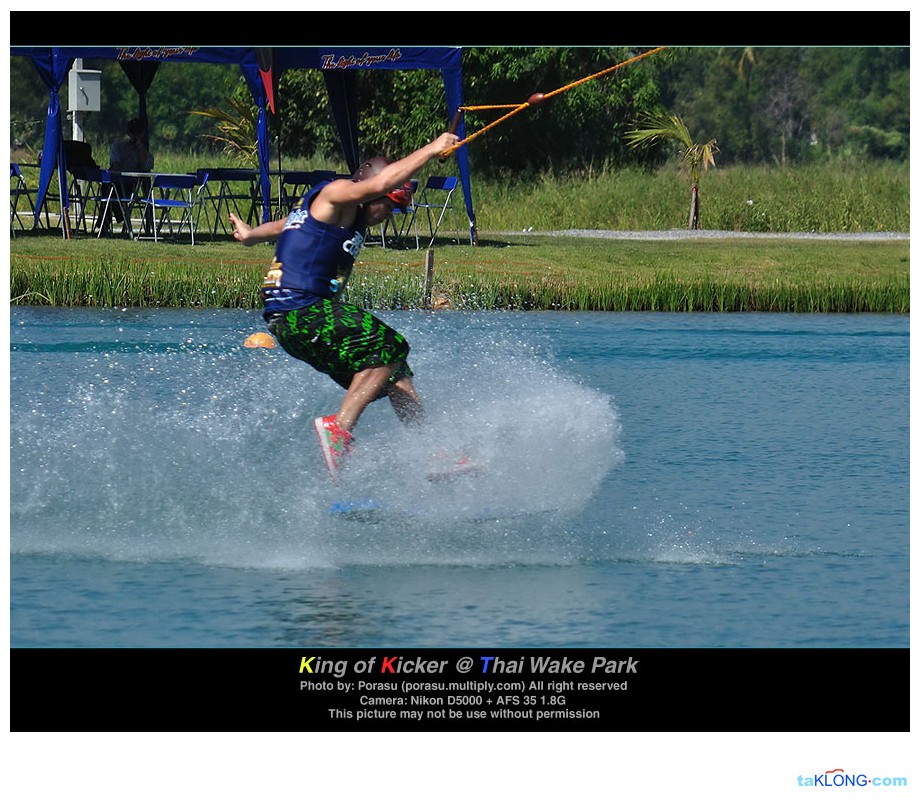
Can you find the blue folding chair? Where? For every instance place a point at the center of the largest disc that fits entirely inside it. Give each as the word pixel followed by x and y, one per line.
pixel 172 195
pixel 401 221
pixel 436 198
pixel 217 195
pixel 19 189
pixel 90 194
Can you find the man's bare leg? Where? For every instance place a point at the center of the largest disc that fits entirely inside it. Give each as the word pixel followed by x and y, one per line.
pixel 364 388
pixel 406 402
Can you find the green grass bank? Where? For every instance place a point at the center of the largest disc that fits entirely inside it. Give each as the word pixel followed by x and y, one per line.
pixel 516 273
pixel 526 271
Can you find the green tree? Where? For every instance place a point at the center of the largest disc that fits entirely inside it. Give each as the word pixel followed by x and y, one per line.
pixel 862 106
pixel 781 98
pixel 710 90
pixel 399 112
pixel 405 109
pixel 793 103
pixel 765 104
pixel 28 109
pixel 695 157
pixel 303 126
pixel 578 130
pixel 177 90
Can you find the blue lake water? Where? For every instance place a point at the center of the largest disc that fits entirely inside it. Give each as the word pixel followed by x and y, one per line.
pixel 652 480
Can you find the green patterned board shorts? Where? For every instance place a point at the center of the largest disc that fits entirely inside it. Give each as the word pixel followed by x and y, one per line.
pixel 340 339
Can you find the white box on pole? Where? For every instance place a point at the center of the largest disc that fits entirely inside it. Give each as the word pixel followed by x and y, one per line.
pixel 85 91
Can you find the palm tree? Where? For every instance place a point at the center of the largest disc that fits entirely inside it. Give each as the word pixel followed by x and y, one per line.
pixel 238 131
pixel 746 63
pixel 695 157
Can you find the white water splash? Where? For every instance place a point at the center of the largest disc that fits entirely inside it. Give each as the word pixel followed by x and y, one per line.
pixel 205 452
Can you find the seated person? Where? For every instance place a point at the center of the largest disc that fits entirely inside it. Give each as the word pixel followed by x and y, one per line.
pixel 130 155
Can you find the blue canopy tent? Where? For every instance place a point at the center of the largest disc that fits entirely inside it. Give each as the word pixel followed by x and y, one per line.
pixel 259 66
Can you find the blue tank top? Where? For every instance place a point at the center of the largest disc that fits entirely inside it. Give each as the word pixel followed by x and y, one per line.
pixel 312 259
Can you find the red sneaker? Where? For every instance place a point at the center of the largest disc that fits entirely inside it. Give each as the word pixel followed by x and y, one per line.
pixel 334 441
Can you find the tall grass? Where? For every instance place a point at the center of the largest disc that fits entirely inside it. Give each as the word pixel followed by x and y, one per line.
pixel 528 271
pixel 519 272
pixel 124 283
pixel 843 197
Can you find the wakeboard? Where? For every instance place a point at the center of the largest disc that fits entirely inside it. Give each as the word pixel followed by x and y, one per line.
pixel 441 470
pixel 373 510
pixel 367 510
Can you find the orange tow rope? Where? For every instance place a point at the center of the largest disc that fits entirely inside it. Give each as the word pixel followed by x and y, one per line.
pixel 536 99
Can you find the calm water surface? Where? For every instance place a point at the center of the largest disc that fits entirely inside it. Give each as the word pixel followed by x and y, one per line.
pixel 652 481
